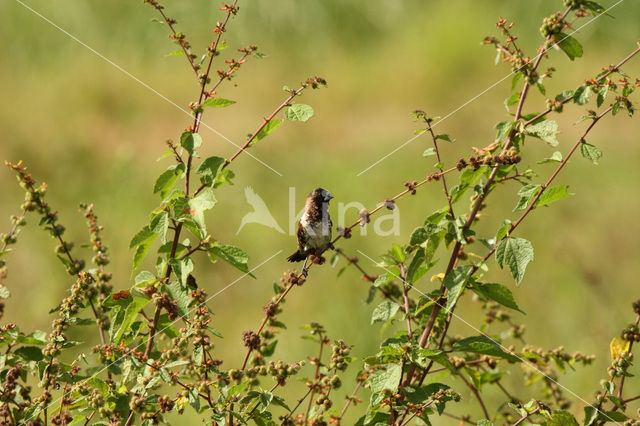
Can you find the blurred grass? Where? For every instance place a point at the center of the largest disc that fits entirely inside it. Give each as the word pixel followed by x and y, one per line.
pixel 93 134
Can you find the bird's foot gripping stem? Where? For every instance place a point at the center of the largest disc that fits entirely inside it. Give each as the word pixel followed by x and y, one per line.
pixel 305 270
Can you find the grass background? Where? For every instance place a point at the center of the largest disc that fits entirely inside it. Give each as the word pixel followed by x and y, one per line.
pixel 93 134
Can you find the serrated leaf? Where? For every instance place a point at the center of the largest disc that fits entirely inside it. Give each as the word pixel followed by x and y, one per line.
pixel 235 256
pixel 553 194
pixel 190 141
pixel 569 45
pixel 418 236
pixel 455 282
pixel 298 112
pixel 516 253
pixel 209 170
pixel 198 206
pixel 384 311
pixel 590 415
pixel 417 267
pixel 159 224
pixel 602 95
pixel 497 293
pixel 527 193
pixel 590 152
pixel 562 418
pixel 29 353
pixel 482 345
pixel 217 102
pixel 142 241
pixel 546 130
pixel 167 179
pixel 581 95
pixel 385 379
pixel 38 337
pixel 181 268
pixel 131 312
pixel 268 128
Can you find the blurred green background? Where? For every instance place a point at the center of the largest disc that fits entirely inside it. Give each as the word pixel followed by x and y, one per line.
pixel 93 134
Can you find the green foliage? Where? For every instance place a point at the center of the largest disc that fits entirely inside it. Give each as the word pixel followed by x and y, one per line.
pixel 154 353
pixel 516 253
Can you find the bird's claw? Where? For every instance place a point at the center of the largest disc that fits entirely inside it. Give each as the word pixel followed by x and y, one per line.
pixel 305 272
pixel 331 246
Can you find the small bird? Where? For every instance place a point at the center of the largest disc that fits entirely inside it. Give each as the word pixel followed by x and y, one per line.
pixel 260 213
pixel 314 229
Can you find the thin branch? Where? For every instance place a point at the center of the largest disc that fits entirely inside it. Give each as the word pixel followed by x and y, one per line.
pixel 349 400
pixel 476 394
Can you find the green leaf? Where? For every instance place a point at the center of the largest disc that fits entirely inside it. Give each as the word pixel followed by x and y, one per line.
pixel 29 353
pixel 602 95
pixel 527 193
pixel 418 236
pixel 590 152
pixel 230 254
pixel 135 303
pixel 197 206
pixel 384 311
pixel 556 157
pixel 516 253
pixel 190 141
pixel 181 268
pixel 36 338
pixel 497 293
pixel 581 95
pixel 553 194
pixel 484 422
pixel 142 241
pixel 217 102
pixel 209 170
pixel 176 53
pixel 590 415
pixel 562 418
pixel 417 267
pixel 298 112
pixel 429 152
pixel 569 45
pixel 160 225
pixel 445 137
pixel 482 345
pixel 423 357
pixel 546 130
pixel 455 282
pixel 167 179
pixel 511 100
pixel 268 128
pixel 385 278
pixel 182 295
pixel 386 379
pixel 144 235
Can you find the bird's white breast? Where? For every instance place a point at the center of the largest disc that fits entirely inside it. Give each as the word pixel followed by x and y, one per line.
pixel 318 233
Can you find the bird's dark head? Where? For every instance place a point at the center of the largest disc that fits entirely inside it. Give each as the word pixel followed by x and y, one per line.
pixel 321 195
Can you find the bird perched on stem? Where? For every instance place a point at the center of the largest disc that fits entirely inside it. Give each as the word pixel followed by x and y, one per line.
pixel 314 229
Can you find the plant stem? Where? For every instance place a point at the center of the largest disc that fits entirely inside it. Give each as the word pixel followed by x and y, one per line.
pixel 526 416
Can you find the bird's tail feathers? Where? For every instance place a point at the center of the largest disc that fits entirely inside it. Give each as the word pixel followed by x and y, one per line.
pixel 298 256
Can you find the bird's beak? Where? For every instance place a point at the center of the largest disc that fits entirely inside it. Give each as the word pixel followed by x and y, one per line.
pixel 330 196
